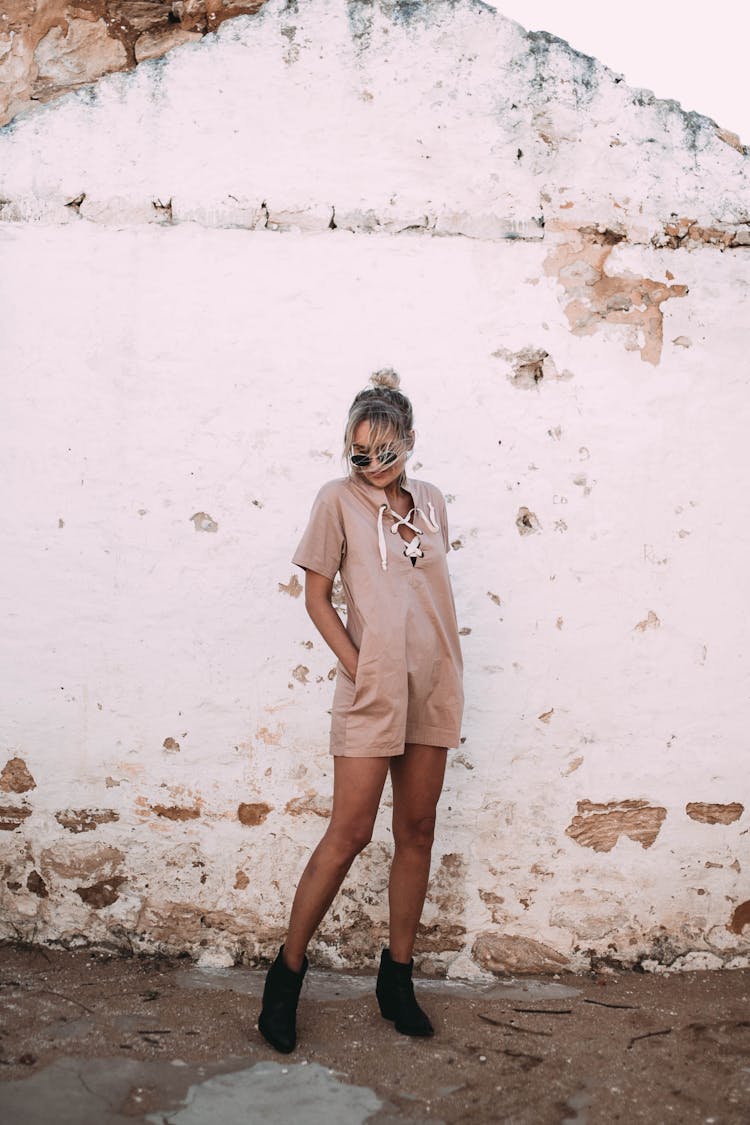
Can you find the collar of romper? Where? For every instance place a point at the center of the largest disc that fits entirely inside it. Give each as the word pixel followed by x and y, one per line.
pixel 378 498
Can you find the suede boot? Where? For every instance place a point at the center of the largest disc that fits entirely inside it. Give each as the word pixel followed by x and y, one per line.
pixel 278 1017
pixel 395 993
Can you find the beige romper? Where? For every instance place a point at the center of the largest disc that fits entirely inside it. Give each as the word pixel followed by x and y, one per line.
pixel 400 615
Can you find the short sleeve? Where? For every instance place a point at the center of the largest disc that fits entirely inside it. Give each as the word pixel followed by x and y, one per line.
pixel 323 543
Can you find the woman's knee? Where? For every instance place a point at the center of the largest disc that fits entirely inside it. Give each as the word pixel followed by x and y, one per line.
pixel 414 832
pixel 347 841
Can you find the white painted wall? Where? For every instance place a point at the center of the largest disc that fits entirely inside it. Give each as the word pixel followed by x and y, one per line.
pixel 160 367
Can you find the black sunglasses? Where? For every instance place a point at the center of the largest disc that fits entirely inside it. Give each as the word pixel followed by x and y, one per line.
pixel 384 456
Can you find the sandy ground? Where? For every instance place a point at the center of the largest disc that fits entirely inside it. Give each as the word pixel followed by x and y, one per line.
pixel 88 1037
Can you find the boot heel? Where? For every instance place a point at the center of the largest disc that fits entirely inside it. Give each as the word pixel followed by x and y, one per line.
pixel 387 1008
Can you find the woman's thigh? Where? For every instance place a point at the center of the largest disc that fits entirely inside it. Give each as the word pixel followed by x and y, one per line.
pixel 417 779
pixel 357 789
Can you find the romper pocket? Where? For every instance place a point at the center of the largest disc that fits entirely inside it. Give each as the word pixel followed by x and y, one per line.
pixel 367 686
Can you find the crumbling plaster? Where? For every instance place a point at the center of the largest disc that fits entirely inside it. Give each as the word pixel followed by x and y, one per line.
pixel 202 259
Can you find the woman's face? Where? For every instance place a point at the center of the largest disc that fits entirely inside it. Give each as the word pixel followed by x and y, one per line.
pixel 375 473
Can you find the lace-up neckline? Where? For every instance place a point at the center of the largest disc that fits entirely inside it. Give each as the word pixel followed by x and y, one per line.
pixel 412 549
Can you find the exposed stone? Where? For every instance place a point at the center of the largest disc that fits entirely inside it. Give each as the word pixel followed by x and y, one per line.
pixel 510 953
pixel 440 937
pixel 67 58
pixel 153 44
pixel 49 48
pixel 526 522
pixel 36 884
pixel 253 813
pixel 103 893
pixel 15 777
pixel 740 918
pixel 201 520
pixel 530 366
pixel 311 803
pixel 599 826
pixel 293 587
pixel 76 859
pixel 689 234
pixel 594 297
pixel 176 812
pixel 85 820
pixel 12 816
pixel 709 813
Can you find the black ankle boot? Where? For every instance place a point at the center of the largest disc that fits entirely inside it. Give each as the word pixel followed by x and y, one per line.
pixel 278 1018
pixel 395 993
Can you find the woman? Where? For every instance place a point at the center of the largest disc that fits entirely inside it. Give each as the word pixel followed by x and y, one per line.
pixel 398 700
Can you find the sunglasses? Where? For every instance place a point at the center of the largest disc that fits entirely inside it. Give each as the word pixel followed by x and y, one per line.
pixel 385 456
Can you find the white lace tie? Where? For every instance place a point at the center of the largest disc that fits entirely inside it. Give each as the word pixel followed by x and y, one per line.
pixel 413 549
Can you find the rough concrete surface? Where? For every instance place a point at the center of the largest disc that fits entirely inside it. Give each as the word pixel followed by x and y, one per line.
pixel 91 1038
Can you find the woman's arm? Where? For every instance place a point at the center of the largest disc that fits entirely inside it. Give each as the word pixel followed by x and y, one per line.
pixel 327 621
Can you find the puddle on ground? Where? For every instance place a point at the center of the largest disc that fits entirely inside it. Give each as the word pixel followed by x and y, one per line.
pixel 99 1091
pixel 270 1093
pixel 116 1091
pixel 325 985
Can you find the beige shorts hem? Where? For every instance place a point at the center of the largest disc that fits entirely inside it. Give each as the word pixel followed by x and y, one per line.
pixel 369 753
pixel 432 736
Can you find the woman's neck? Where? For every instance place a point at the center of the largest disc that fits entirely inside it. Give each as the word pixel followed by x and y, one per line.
pixel 395 491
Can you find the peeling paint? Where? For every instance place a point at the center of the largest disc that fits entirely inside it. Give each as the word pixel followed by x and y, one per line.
pixel 176 812
pixel 594 297
pixel 103 893
pixel 36 884
pixel 708 813
pixel 253 813
pixel 203 522
pixel 526 522
pixel 599 826
pixel 15 777
pixel 13 816
pixel 311 802
pixel 689 234
pixel 530 366
pixel 74 860
pixel 293 587
pixel 85 820
pixel 740 918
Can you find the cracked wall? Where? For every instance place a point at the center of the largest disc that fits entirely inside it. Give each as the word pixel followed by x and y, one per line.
pixel 203 258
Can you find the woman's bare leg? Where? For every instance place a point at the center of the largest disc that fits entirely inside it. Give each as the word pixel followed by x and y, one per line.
pixel 357 788
pixel 417 779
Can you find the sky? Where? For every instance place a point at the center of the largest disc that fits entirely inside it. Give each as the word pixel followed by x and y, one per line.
pixel 690 51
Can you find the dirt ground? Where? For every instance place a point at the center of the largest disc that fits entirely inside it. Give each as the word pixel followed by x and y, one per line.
pixel 91 1037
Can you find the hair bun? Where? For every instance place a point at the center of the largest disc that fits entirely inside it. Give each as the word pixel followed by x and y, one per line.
pixel 386 377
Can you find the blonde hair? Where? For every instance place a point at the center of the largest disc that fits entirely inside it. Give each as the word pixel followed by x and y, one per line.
pixel 388 411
